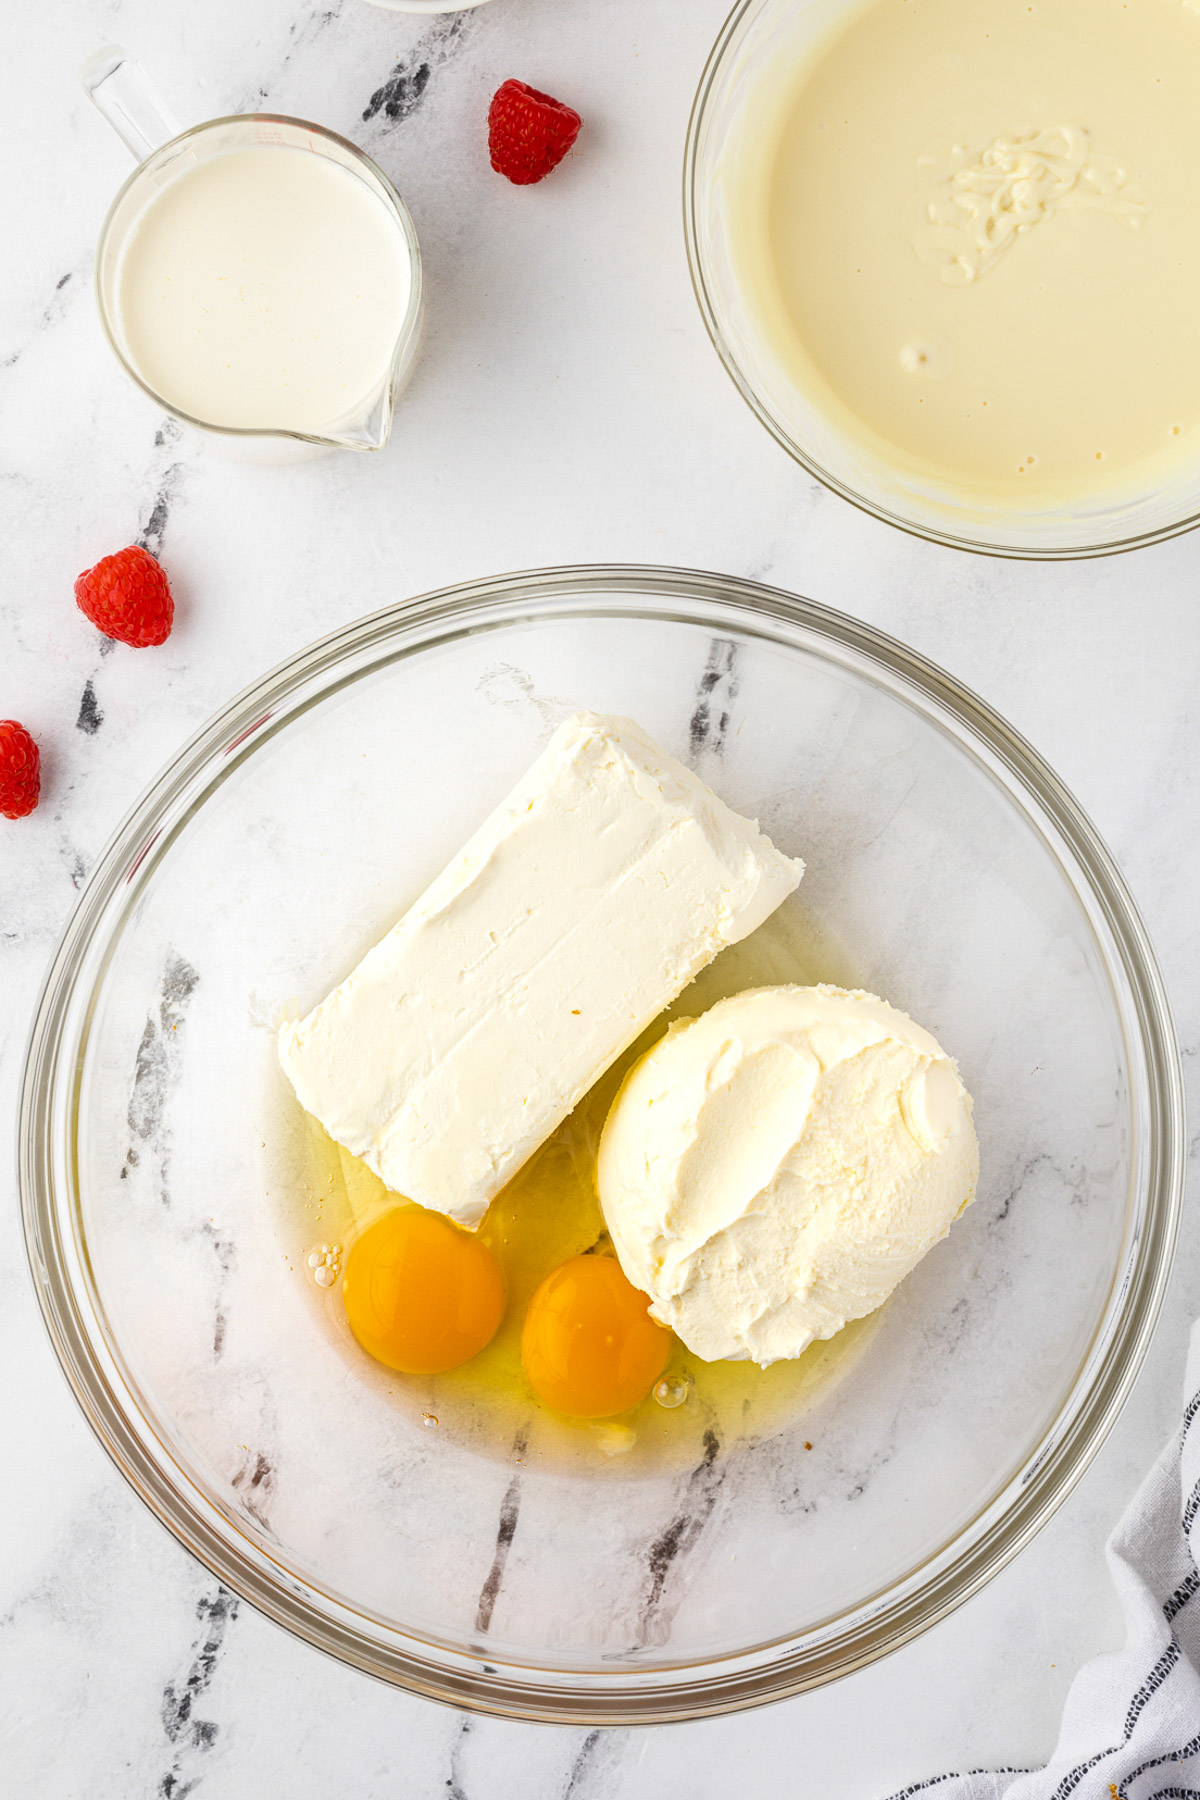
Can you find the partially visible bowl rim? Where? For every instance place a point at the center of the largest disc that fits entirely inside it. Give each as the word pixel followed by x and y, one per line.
pixel 693 238
pixel 483 1682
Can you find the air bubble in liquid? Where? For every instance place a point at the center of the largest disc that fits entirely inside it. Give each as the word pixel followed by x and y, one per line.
pixel 673 1390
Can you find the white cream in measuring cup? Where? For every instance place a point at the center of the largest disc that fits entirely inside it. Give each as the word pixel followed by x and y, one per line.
pixel 264 287
pixel 257 275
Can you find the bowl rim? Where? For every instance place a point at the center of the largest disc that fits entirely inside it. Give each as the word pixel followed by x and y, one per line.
pixel 694 241
pixel 486 1682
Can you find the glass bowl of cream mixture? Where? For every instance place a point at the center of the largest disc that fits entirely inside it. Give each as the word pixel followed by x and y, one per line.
pixel 946 250
pixel 740 1534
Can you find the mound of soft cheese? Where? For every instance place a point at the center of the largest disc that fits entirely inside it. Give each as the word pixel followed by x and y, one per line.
pixel 588 900
pixel 775 1167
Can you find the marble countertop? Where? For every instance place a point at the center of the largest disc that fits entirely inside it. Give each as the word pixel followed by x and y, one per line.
pixel 566 408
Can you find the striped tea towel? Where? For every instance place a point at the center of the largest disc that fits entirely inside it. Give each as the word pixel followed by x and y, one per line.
pixel 1131 1725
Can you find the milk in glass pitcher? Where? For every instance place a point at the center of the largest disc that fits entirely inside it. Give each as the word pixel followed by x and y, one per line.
pixel 258 276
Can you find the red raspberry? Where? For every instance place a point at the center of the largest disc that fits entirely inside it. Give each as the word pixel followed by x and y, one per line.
pixel 528 132
pixel 20 770
pixel 126 597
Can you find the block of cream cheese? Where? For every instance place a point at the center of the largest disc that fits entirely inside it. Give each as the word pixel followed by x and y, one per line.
pixel 607 879
pixel 777 1166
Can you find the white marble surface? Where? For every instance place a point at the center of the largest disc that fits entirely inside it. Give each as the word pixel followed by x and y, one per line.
pixel 567 407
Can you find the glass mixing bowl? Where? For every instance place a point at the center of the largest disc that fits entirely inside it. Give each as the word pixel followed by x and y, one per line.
pixel 756 37
pixel 954 875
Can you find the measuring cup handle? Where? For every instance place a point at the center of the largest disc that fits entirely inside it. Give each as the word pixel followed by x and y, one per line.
pixel 120 88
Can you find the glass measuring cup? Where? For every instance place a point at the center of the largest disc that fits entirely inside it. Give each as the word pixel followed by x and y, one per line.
pixel 120 89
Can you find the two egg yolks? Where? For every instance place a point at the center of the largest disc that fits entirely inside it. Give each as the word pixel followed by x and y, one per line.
pixel 424 1296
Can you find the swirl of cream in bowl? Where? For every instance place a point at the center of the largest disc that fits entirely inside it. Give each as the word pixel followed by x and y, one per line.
pixel 777 1166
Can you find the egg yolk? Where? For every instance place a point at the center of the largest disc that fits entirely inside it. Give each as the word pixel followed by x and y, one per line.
pixel 421 1294
pixel 589 1346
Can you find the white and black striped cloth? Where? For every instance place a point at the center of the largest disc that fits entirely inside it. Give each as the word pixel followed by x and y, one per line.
pixel 1131 1725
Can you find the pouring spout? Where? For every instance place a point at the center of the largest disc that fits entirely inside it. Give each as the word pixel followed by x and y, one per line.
pixel 370 429
pixel 119 86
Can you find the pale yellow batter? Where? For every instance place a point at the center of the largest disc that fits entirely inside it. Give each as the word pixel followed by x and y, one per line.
pixel 970 230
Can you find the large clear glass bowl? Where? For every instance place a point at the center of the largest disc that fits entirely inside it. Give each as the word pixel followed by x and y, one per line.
pixel 754 39
pixel 952 872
